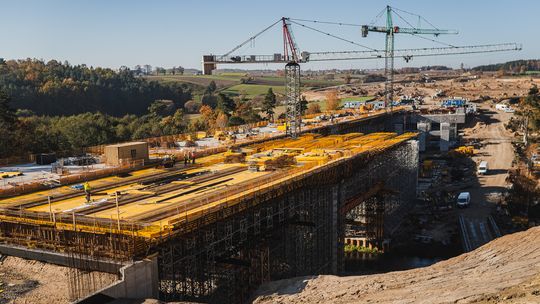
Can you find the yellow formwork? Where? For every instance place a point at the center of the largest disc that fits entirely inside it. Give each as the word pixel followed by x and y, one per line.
pixel 312 151
pixel 64 190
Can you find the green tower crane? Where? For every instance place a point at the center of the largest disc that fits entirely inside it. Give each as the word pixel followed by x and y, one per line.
pixel 390 30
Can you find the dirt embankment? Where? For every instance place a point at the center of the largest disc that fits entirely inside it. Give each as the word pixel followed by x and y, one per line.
pixel 506 270
pixel 25 281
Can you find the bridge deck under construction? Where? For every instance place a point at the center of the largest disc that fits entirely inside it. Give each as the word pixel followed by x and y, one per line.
pixel 153 203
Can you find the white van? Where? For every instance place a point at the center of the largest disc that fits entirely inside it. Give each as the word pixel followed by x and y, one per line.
pixel 483 168
pixel 464 199
pixel 501 106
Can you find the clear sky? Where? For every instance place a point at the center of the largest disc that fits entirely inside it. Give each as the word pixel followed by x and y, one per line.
pixel 113 33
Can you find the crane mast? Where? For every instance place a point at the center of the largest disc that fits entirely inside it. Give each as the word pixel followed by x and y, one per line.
pixel 389 60
pixel 390 30
pixel 293 113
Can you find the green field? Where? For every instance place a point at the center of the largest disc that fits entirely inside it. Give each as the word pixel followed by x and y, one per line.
pixel 252 90
pixel 356 98
pixel 201 80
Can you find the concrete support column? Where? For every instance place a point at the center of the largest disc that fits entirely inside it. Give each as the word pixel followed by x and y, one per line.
pixel 445 137
pixel 424 128
pixel 139 281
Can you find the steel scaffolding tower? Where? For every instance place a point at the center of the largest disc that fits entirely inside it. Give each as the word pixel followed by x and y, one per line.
pixel 294 107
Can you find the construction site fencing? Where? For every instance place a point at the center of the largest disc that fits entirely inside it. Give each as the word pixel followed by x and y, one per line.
pixel 15 160
pixel 31 158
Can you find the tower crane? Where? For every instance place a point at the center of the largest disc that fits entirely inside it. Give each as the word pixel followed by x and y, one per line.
pixel 292 57
pixel 390 30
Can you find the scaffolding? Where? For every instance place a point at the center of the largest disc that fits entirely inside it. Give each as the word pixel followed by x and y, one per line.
pixel 278 224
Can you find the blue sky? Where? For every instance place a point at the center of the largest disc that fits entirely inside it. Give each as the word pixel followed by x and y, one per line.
pixel 171 33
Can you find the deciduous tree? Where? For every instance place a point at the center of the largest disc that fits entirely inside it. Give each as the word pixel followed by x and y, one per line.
pixel 332 100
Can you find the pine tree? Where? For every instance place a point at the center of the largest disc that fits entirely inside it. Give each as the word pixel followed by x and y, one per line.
pixel 269 104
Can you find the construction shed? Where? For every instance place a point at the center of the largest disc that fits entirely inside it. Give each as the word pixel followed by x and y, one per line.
pixel 124 153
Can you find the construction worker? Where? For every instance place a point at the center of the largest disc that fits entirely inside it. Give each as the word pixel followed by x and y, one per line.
pixel 87 190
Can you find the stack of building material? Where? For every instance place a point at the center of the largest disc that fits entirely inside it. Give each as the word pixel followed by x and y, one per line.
pixel 280 161
pixel 234 157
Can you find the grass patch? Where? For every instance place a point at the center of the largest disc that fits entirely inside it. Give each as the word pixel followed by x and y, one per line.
pixel 353 248
pixel 357 98
pixel 201 80
pixel 232 74
pixel 252 90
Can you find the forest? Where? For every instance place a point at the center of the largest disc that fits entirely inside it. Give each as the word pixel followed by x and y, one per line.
pixel 516 66
pixel 54 88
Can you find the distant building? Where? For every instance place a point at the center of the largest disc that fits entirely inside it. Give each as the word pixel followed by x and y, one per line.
pixel 353 104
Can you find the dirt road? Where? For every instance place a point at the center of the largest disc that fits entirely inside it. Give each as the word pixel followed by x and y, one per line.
pixel 497 150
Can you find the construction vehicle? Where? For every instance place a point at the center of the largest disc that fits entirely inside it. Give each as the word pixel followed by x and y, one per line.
pixel 168 161
pixel 10 174
pixel 463 151
pixel 483 168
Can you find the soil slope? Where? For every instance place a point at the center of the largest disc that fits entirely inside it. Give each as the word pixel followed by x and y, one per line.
pixel 506 270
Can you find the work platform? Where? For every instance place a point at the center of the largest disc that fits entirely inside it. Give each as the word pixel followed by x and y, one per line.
pixel 154 209
pixel 212 218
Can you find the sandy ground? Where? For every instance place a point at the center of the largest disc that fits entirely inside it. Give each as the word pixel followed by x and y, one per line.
pixel 33 282
pixel 26 281
pixel 497 150
pixel 505 270
pixel 473 89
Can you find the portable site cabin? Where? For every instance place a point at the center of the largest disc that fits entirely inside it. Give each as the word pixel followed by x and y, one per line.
pixel 124 153
pixel 377 104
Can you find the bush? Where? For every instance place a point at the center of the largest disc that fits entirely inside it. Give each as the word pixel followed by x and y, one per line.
pixel 313 108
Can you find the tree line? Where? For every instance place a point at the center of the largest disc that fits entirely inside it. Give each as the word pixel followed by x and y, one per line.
pixel 24 132
pixel 55 88
pixel 516 66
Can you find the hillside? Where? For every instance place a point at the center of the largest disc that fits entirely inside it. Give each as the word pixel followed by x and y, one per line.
pixel 55 88
pixel 506 270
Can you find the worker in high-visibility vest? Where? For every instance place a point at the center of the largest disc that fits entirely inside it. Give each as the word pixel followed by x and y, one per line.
pixel 87 190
